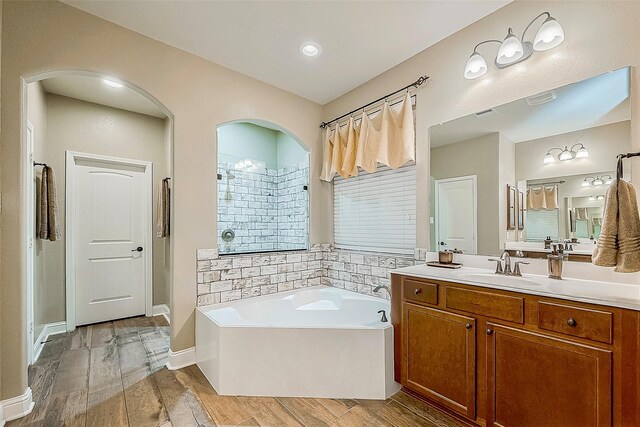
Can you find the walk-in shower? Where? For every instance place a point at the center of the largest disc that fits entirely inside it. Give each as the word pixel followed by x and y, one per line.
pixel 263 177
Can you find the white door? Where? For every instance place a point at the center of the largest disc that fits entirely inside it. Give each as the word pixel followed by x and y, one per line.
pixel 110 223
pixel 456 214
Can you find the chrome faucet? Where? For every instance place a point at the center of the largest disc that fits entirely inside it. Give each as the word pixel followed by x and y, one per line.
pixel 506 271
pixel 385 287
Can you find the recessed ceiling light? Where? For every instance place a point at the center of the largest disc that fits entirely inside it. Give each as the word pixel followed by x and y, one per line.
pixel 111 83
pixel 310 49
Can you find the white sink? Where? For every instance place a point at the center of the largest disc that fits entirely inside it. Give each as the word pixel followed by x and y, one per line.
pixel 497 279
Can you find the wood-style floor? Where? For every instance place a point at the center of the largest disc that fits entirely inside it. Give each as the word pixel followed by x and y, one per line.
pixel 113 374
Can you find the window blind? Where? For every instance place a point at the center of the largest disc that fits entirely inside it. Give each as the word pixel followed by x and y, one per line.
pixel 376 212
pixel 541 224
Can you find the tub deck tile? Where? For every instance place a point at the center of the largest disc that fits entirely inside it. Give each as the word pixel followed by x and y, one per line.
pixel 112 374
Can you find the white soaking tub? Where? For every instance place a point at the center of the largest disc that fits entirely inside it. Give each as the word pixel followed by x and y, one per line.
pixel 312 342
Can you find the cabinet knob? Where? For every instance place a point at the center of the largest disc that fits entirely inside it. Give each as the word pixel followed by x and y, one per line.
pixel 571 321
pixel 417 291
pixel 489 331
pixel 468 326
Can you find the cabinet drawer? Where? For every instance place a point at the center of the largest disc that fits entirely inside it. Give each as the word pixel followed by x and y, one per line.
pixel 488 304
pixel 577 321
pixel 419 291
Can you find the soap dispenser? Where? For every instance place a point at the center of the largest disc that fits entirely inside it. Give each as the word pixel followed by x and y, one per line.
pixel 554 263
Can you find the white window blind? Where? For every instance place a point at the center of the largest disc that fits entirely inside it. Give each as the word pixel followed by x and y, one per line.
pixel 376 212
pixel 541 224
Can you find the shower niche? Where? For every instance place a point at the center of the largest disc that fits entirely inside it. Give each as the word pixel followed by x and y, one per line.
pixel 262 190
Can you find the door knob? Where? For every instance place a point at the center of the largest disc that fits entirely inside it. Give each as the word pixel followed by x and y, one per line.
pixel 138 249
pixel 443 244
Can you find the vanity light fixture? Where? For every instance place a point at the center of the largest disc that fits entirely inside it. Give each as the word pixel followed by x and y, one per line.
pixel 594 198
pixel 597 181
pixel 513 50
pixel 567 153
pixel 112 83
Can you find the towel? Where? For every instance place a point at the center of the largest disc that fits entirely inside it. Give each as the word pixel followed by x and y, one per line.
pixel 337 151
pixel 328 172
pixel 48 228
pixel 163 209
pixel 582 214
pixel 349 166
pixel 542 198
pixel 619 242
pixel 367 135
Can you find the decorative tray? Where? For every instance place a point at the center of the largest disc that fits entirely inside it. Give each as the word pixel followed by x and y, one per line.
pixel 441 265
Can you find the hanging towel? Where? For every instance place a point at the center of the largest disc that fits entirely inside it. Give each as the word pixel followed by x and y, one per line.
pixel 349 167
pixel 328 172
pixel 619 241
pixel 48 228
pixel 163 209
pixel 582 214
pixel 339 146
pixel 402 147
pixel 368 135
pixel 543 198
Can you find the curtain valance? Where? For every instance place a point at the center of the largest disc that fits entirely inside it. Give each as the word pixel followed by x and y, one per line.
pixel 543 198
pixel 388 139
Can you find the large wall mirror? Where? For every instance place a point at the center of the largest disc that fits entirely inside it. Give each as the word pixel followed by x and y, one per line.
pixel 530 171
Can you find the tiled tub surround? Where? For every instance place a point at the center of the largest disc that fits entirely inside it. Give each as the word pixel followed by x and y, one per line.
pixel 266 208
pixel 234 277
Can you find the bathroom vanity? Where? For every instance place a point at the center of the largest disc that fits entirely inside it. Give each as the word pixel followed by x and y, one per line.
pixel 518 351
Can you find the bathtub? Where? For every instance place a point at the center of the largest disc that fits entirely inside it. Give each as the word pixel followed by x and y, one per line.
pixel 312 342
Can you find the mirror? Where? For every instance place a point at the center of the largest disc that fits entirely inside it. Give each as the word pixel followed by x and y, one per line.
pixel 533 170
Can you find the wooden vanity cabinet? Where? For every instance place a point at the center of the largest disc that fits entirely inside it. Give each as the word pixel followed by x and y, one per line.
pixel 499 358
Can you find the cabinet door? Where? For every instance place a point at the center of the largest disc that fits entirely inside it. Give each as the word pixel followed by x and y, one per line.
pixel 440 357
pixel 535 380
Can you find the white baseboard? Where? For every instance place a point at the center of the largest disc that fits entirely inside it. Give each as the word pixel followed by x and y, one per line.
pixel 181 358
pixel 16 407
pixel 48 330
pixel 162 310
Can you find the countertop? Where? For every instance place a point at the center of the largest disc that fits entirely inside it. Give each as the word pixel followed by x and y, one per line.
pixel 619 295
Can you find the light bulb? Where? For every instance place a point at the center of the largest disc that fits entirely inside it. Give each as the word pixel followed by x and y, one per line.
pixel 600 197
pixel 549 35
pixel 566 154
pixel 510 50
pixel 582 153
pixel 476 67
pixel 310 49
pixel 598 182
pixel 549 158
pixel 586 183
pixel 608 181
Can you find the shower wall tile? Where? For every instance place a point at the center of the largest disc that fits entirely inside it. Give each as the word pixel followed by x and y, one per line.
pixel 266 209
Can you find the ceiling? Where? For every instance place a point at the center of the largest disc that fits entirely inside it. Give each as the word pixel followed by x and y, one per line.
pixel 597 101
pixel 360 40
pixel 93 89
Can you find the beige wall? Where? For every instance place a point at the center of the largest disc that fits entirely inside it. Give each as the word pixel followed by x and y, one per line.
pixel 603 143
pixel 199 94
pixel 37 116
pixel 80 126
pixel 592 46
pixel 480 157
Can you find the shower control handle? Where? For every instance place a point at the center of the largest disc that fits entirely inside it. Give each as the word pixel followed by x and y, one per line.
pixel 138 249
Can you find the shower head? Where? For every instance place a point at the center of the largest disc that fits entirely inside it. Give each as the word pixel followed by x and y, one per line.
pixel 230 175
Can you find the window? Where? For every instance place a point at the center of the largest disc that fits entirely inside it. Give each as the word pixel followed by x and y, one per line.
pixel 541 224
pixel 376 212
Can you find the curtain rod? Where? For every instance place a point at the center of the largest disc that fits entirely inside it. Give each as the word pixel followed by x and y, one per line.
pixel 39 164
pixel 546 183
pixel 415 84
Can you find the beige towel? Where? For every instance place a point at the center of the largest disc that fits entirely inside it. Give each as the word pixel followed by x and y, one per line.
pixel 402 149
pixel 328 172
pixel 337 151
pixel 48 228
pixel 163 209
pixel 543 198
pixel 619 241
pixel 349 166
pixel 367 135
pixel 582 214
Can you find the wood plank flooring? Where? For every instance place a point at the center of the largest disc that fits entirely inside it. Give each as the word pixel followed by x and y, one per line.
pixel 113 374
